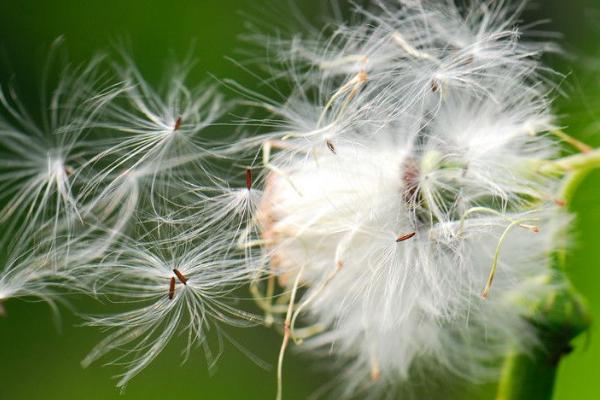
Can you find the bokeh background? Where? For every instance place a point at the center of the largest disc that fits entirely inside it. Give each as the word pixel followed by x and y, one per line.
pixel 40 355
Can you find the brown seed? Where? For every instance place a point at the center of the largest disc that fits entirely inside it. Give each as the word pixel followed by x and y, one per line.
pixel 172 288
pixel 406 236
pixel 560 202
pixel 177 124
pixel 248 178
pixel 330 146
pixel 180 276
pixel 434 86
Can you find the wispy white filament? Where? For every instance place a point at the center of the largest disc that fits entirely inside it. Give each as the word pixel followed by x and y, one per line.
pixel 392 216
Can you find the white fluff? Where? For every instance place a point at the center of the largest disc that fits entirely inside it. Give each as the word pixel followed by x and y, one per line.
pixel 428 120
pixel 400 204
pixel 167 291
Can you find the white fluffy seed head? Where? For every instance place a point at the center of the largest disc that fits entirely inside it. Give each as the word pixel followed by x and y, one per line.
pixel 413 191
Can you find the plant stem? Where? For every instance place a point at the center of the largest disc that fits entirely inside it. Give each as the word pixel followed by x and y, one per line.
pixel 531 376
pixel 558 319
pixel 526 377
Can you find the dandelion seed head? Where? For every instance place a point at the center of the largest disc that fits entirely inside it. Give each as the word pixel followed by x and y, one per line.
pixel 418 177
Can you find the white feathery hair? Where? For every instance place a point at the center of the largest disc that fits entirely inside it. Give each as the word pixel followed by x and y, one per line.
pixel 166 290
pixel 41 154
pixel 143 123
pixel 37 271
pixel 162 222
pixel 150 137
pixel 400 206
pixel 114 157
pixel 147 140
pixel 404 189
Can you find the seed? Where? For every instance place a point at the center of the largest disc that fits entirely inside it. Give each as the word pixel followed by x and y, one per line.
pixel 406 236
pixel 560 202
pixel 177 124
pixel 330 146
pixel 172 288
pixel 181 276
pixel 248 178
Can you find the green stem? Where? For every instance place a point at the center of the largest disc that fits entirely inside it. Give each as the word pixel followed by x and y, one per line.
pixel 527 377
pixel 572 182
pixel 531 376
pixel 558 319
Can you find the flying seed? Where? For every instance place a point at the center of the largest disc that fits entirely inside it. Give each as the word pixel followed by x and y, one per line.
pixel 330 146
pixel 172 288
pixel 177 124
pixel 406 237
pixel 181 276
pixel 248 178
pixel 434 86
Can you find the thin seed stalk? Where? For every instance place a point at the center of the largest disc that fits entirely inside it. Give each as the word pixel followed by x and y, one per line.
pixel 577 162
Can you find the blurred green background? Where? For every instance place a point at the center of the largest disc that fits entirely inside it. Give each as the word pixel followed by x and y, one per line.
pixel 39 359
